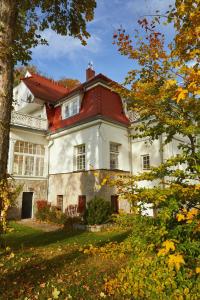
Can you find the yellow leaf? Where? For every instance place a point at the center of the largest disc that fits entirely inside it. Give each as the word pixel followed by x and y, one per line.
pixel 102 295
pixel 192 213
pixel 180 217
pixel 170 83
pixel 55 293
pixel 176 260
pixel 197 270
pixel 182 94
pixel 162 252
pixel 104 181
pixel 169 245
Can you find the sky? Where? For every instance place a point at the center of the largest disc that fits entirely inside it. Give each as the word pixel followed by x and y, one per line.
pixel 66 57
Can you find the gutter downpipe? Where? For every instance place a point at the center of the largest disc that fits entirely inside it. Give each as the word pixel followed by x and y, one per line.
pixel 51 142
pixel 130 150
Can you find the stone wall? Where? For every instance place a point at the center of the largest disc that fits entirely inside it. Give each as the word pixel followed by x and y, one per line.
pixel 72 185
pixel 39 189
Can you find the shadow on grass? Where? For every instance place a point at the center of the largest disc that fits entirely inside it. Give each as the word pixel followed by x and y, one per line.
pixel 38 239
pixel 29 238
pixel 30 274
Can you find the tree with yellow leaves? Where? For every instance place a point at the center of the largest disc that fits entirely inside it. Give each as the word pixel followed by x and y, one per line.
pixel 165 94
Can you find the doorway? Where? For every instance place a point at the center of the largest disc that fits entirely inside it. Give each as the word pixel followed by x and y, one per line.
pixel 27 201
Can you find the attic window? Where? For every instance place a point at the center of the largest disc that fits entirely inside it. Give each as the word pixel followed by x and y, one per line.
pixel 70 108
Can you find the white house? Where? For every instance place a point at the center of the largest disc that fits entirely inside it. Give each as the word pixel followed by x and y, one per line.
pixel 59 138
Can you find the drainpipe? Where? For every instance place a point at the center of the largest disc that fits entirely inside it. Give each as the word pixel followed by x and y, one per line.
pixel 161 154
pixel 130 151
pixel 161 149
pixel 51 142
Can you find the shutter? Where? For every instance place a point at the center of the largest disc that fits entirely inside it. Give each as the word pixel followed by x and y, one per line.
pixel 81 204
pixel 114 204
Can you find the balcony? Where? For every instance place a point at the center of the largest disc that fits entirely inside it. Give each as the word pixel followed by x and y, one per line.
pixel 28 121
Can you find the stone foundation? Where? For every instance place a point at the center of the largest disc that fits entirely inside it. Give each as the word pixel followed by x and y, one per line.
pixel 73 185
pixel 39 189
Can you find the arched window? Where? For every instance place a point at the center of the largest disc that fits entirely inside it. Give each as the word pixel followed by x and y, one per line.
pixel 28 159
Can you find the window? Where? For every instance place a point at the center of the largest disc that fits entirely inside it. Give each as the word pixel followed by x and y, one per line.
pixel 114 155
pixel 29 165
pixel 39 167
pixel 80 157
pixel 60 202
pixel 28 159
pixel 146 162
pixel 18 165
pixel 70 109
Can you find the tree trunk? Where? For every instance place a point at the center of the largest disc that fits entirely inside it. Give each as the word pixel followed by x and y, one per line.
pixel 7 26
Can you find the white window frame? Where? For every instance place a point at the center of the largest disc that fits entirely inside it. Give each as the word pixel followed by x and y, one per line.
pixel 34 153
pixel 71 105
pixel 115 153
pixel 80 157
pixel 144 164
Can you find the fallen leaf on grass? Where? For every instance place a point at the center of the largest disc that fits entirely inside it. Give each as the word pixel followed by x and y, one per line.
pixel 55 293
pixel 102 295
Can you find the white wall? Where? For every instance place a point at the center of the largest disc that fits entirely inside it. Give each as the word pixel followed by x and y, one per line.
pixel 117 134
pixel 97 139
pixel 142 147
pixel 20 95
pixel 35 108
pixel 62 150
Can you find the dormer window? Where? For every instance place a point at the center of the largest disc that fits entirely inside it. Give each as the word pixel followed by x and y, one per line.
pixel 71 108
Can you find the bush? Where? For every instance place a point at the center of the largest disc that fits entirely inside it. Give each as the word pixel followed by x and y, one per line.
pixel 98 211
pixel 43 210
pixel 57 216
pixel 48 213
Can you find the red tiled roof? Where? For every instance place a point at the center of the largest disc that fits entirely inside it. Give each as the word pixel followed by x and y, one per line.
pixel 97 102
pixel 45 89
pixel 97 78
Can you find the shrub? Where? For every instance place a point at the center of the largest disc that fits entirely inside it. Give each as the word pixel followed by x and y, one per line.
pixel 43 210
pixel 98 211
pixel 57 216
pixel 46 212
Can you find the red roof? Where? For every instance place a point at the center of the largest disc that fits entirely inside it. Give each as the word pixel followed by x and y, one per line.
pixel 45 89
pixel 98 102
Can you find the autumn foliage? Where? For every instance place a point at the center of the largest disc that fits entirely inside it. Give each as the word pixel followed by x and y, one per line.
pixel 163 93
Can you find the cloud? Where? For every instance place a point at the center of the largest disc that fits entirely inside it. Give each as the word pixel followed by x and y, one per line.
pixel 148 7
pixel 62 46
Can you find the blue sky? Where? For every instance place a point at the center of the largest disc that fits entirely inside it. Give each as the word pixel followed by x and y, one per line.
pixel 66 57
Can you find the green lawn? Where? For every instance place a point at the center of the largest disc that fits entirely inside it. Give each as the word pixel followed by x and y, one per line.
pixel 43 265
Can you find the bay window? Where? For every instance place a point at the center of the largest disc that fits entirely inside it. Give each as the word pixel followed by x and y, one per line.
pixel 28 159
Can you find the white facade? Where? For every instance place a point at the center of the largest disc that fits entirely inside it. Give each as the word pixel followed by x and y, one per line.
pixel 60 175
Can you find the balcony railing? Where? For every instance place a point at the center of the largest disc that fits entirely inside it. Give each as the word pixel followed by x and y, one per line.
pixel 28 121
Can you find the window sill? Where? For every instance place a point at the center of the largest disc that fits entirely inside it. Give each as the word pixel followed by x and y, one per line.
pixel 29 176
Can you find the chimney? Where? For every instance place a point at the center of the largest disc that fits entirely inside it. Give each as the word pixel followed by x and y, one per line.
pixel 90 73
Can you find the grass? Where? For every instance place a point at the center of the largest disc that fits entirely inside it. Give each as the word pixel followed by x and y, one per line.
pixel 49 265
